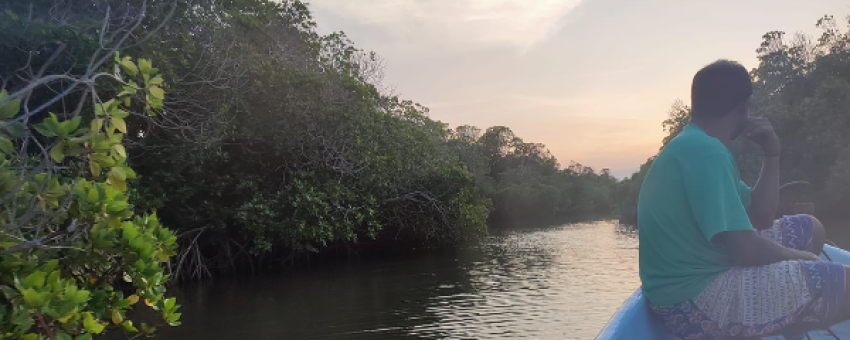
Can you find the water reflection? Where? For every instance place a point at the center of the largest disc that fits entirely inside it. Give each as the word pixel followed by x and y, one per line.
pixel 542 283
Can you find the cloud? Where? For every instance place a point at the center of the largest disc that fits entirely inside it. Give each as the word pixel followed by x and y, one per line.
pixel 458 23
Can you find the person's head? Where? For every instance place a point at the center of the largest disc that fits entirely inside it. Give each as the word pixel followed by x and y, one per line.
pixel 720 96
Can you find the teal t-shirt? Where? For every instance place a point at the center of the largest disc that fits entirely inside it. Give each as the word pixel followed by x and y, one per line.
pixel 691 193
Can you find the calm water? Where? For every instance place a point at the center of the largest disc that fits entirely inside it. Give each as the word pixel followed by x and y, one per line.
pixel 549 283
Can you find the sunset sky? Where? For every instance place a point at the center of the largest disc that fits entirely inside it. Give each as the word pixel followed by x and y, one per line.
pixel 591 79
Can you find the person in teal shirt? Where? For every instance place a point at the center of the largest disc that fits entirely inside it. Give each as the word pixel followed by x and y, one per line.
pixel 714 264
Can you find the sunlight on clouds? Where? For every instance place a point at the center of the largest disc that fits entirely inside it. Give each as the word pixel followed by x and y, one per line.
pixel 516 23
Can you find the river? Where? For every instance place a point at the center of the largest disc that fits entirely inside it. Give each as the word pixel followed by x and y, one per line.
pixel 560 282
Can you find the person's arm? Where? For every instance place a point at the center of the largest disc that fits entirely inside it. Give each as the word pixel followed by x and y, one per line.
pixel 711 184
pixel 765 195
pixel 746 248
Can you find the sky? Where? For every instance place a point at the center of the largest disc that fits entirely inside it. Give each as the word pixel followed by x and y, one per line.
pixel 590 79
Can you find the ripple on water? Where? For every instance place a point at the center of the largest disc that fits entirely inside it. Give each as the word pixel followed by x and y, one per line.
pixel 559 283
pixel 549 283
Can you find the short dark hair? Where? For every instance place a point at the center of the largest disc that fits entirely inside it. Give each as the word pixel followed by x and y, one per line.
pixel 718 88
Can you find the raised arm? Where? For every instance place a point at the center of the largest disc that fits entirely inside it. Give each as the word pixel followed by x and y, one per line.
pixel 765 196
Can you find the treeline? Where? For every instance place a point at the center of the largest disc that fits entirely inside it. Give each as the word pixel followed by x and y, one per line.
pixel 277 142
pixel 524 180
pixel 802 85
pixel 265 141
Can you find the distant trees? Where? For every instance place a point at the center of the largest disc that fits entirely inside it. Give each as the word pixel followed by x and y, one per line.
pixel 525 181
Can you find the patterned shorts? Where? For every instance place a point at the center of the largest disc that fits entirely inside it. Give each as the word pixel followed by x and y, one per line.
pixel 762 300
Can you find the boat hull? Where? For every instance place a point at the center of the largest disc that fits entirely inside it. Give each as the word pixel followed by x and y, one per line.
pixel 635 321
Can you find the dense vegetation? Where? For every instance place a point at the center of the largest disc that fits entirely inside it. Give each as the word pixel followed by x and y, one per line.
pixel 273 143
pixel 74 257
pixel 803 86
pixel 278 143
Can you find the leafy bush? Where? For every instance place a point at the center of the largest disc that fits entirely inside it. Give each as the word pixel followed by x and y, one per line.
pixel 74 258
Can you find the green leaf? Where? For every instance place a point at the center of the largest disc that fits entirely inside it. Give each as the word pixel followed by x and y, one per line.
pixel 103 160
pixel 6 146
pixel 129 231
pixel 120 150
pixel 118 184
pixel 145 66
pixel 147 329
pixel 44 130
pixel 169 303
pixel 92 195
pixel 128 326
pixel 84 337
pixel 154 103
pixel 30 336
pixel 34 299
pixel 118 173
pixel 14 130
pixel 68 311
pixel 80 140
pixel 91 325
pixel 174 317
pixel 73 124
pixel 120 113
pixel 56 126
pixel 63 336
pixel 96 124
pixel 49 266
pixel 57 153
pixel 53 278
pixel 130 173
pixel 119 124
pixel 95 169
pixel 81 296
pixel 157 92
pixel 155 81
pixel 128 91
pixel 8 108
pixel 35 280
pixel 117 206
pixel 115 138
pixel 129 67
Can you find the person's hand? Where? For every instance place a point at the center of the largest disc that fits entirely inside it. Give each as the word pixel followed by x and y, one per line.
pixel 760 131
pixel 807 256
